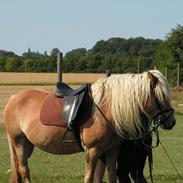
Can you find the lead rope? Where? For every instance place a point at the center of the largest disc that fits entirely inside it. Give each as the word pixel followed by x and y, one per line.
pixel 179 175
pixel 150 160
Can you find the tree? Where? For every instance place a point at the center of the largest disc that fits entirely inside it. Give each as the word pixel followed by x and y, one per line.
pixel 73 60
pixel 12 64
pixel 174 41
pixel 54 52
pixel 174 45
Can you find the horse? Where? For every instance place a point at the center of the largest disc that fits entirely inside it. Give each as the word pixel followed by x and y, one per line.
pixel 118 102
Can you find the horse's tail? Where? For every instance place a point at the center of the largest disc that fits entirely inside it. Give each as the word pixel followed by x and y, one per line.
pixel 15 176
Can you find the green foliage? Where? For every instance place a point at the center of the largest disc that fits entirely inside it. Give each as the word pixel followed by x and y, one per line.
pixel 2 62
pixel 75 60
pixel 174 41
pixel 170 52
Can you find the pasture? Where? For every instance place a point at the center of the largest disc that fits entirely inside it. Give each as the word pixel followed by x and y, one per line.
pixel 49 168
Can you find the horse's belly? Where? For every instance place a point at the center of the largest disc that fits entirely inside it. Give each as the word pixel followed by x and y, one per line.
pixel 61 148
pixel 53 139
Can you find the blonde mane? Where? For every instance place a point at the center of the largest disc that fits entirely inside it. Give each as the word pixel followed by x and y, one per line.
pixel 126 94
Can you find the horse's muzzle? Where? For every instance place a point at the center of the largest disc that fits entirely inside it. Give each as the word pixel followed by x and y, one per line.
pixel 168 126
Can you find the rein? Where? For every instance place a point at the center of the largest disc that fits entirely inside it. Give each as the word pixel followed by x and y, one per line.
pixel 179 175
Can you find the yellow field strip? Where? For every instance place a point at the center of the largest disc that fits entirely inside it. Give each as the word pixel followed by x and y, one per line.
pixel 50 78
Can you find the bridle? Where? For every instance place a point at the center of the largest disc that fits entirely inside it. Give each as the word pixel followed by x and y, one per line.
pixel 160 118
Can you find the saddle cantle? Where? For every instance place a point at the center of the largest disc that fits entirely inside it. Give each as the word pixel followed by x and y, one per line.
pixel 65 90
pixel 67 107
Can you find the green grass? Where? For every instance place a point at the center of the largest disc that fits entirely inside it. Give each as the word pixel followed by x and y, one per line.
pixel 57 168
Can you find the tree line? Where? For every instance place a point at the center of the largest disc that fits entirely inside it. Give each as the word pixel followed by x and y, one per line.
pixel 118 54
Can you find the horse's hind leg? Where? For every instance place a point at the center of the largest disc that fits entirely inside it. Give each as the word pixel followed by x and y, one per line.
pixel 20 149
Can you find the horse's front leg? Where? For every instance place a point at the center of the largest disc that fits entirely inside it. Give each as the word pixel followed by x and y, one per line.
pixel 111 160
pixel 90 165
pixel 99 171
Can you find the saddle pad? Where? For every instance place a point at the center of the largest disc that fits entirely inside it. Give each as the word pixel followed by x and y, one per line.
pixel 51 111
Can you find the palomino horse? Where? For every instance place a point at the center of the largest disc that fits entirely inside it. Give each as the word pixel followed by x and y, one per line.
pixel 119 101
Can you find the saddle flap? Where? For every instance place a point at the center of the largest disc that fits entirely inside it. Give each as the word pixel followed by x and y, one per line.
pixel 52 111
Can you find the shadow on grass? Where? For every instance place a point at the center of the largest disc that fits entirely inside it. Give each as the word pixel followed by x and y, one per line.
pixel 56 179
pixel 168 178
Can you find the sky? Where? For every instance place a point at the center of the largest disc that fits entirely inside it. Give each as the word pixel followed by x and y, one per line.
pixel 42 25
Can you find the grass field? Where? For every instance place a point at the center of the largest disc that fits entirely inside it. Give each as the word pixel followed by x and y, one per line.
pixel 49 168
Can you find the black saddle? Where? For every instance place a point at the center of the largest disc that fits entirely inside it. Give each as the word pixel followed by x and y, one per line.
pixel 75 101
pixel 65 90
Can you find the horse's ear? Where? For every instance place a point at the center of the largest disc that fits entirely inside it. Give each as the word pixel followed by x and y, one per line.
pixel 154 79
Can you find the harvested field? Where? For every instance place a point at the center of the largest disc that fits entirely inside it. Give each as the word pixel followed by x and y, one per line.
pixel 47 78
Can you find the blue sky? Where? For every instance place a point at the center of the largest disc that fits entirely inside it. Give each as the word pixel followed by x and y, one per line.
pixel 70 24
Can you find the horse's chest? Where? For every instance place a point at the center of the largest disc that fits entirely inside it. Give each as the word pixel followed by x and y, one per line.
pixel 97 134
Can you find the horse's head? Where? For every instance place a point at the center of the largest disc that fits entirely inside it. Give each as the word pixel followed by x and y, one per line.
pixel 131 96
pixel 158 105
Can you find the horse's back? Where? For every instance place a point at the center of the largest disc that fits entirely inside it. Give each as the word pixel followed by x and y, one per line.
pixel 23 96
